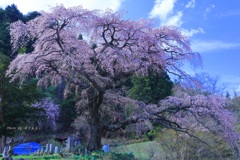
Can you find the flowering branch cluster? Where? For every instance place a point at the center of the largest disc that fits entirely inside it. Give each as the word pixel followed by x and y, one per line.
pixel 50 114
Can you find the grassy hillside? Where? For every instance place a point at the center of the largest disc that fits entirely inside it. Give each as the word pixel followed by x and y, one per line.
pixel 143 150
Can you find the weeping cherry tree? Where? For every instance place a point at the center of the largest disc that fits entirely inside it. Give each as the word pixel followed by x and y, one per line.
pixel 99 50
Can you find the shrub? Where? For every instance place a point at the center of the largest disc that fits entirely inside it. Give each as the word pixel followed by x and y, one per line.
pixel 181 146
pixel 119 156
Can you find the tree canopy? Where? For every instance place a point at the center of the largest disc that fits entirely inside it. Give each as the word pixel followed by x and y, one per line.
pixel 151 88
pixel 203 83
pixel 7 16
pixel 16 108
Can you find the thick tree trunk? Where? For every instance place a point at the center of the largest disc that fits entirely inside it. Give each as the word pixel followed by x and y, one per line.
pixel 3 138
pixel 94 102
pixel 1 110
pixel 3 142
pixel 95 136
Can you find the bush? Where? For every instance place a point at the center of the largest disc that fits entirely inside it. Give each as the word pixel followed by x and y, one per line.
pixel 100 155
pixel 181 146
pixel 121 156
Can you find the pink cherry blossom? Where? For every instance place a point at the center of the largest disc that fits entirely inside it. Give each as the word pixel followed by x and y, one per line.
pixel 99 51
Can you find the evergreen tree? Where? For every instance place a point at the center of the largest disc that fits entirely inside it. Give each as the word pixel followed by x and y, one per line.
pixel 7 16
pixel 152 88
pixel 15 103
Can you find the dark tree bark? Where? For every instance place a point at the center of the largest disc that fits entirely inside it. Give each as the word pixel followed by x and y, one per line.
pixel 1 109
pixel 94 102
pixel 3 142
pixel 3 137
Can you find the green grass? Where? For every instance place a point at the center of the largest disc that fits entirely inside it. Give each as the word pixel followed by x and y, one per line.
pixel 34 157
pixel 143 150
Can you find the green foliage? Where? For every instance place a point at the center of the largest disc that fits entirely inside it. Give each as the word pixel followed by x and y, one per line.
pixel 4 62
pixel 45 157
pixel 12 13
pixel 152 134
pixel 49 92
pixel 172 145
pixel 181 146
pixel 100 155
pixel 22 50
pixel 16 101
pixel 67 106
pixel 80 37
pixel 227 95
pixel 235 107
pixel 68 112
pixel 143 150
pixel 31 16
pixel 120 156
pixel 151 88
pixel 4 38
pixel 128 110
pixel 54 142
pixel 84 157
pixel 9 15
pixel 17 107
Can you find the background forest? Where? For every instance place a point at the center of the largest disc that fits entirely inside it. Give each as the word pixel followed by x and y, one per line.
pixel 42 113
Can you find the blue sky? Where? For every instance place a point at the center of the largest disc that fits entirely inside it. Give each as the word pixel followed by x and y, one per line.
pixel 212 25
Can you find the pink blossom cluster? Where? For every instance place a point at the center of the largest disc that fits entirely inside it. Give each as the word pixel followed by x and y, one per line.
pixel 207 113
pixel 50 114
pixel 100 50
pixel 64 41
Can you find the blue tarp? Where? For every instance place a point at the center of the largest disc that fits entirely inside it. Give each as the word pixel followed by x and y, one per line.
pixel 26 148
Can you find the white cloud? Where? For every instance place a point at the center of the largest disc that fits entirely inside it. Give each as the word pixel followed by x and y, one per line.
pixel 26 6
pixel 192 32
pixel 190 4
pixel 208 10
pixel 229 14
pixel 209 46
pixel 163 9
pixel 238 89
pixel 174 20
